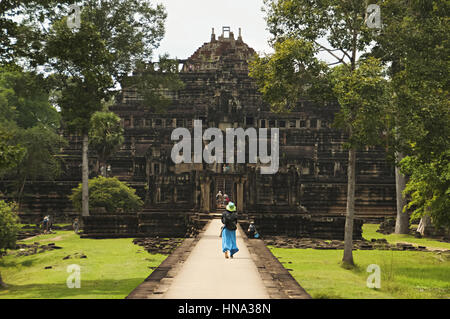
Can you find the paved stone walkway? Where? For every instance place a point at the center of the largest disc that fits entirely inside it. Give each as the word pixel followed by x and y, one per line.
pixel 197 269
pixel 206 274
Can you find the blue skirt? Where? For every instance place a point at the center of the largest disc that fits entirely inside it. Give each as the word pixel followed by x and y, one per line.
pixel 229 241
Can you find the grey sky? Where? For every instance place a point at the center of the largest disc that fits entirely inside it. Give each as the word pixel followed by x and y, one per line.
pixel 189 24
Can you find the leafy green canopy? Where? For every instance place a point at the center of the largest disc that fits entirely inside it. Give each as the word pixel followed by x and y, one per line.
pixel 22 24
pixel 24 99
pixel 108 194
pixel 92 61
pixel 301 29
pixel 364 96
pixel 31 122
pixel 9 225
pixel 429 188
pixel 10 153
pixel 155 82
pixel 290 73
pixel 106 134
pixel 40 161
pixel 335 26
pixel 415 42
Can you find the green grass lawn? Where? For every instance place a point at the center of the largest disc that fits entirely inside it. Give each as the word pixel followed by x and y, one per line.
pixel 369 231
pixel 112 269
pixel 404 274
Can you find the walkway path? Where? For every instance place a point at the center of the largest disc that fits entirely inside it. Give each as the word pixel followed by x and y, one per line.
pixel 198 270
pixel 206 274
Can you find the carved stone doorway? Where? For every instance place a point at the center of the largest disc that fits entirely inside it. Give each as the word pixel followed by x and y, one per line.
pixel 226 185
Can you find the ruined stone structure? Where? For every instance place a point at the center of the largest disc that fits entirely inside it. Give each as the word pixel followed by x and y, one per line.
pixel 218 91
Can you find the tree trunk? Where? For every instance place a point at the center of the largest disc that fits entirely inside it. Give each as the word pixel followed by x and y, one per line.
pixel 2 284
pixel 103 168
pixel 351 182
pixel 402 220
pixel 20 193
pixel 97 167
pixel 85 178
pixel 424 222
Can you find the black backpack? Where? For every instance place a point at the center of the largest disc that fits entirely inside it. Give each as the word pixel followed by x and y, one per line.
pixel 230 220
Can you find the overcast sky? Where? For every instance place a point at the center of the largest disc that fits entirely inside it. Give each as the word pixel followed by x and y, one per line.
pixel 189 24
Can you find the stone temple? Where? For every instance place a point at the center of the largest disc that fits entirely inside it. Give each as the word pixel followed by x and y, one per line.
pixel 312 176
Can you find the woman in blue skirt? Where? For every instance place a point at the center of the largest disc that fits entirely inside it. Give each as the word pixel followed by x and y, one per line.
pixel 229 219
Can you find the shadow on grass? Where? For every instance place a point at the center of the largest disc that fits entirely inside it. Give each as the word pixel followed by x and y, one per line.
pixel 27 263
pixel 89 289
pixel 326 295
pixel 12 264
pixel 354 268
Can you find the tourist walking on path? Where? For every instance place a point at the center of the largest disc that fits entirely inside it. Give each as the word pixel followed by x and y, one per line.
pixel 229 219
pixel 219 199
pixel 45 224
pixel 76 226
pixel 226 199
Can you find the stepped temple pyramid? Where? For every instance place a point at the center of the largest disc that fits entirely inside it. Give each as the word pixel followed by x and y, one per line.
pixel 312 176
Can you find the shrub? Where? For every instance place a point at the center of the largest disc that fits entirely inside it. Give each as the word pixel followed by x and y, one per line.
pixel 9 225
pixel 109 194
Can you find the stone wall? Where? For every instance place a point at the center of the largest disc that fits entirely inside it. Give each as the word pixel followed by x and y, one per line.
pixel 302 226
pixel 146 224
pixel 41 198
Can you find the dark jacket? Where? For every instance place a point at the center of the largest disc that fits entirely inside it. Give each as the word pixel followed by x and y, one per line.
pixel 229 220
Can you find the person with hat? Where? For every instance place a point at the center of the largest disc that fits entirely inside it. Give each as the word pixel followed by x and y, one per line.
pixel 226 199
pixel 229 219
pixel 252 230
pixel 45 224
pixel 219 199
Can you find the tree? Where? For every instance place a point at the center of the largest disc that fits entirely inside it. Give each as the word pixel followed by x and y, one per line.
pixel 10 153
pixel 32 123
pixel 40 160
pixel 9 228
pixel 363 95
pixel 106 137
pixel 154 82
pixel 90 62
pixel 414 42
pixel 429 187
pixel 21 27
pixel 290 73
pixel 402 218
pixel 108 194
pixel 341 24
pixel 24 99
